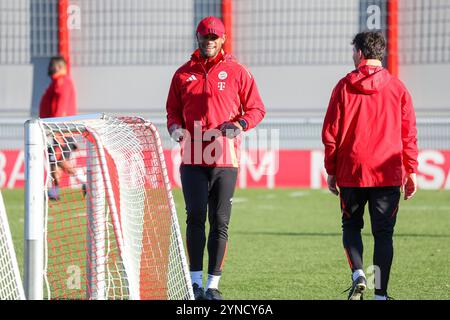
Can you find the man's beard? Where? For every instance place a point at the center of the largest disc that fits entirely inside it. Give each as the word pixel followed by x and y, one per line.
pixel 208 54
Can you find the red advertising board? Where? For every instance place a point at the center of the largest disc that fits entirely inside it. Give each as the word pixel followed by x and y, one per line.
pixel 262 169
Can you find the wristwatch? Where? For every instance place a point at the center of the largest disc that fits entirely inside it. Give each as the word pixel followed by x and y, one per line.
pixel 243 124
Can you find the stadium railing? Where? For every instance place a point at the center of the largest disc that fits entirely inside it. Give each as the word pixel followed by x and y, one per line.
pixel 294 132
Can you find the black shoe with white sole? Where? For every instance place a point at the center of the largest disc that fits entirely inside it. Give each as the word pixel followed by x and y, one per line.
pixel 356 291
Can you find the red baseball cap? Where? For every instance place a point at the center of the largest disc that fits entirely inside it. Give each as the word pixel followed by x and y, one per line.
pixel 211 25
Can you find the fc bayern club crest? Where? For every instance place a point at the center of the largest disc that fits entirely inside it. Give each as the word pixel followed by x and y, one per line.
pixel 222 75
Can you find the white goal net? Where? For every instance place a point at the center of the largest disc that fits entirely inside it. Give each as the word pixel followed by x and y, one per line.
pixel 10 281
pixel 109 228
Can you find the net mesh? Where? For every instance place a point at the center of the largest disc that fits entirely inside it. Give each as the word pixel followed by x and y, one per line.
pixel 424 31
pixel 111 226
pixel 10 282
pixel 265 32
pixel 294 32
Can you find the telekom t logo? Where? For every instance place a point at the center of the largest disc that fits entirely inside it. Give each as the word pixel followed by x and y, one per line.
pixel 221 85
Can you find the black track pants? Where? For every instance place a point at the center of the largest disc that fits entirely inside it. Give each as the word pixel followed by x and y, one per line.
pixel 207 189
pixel 383 207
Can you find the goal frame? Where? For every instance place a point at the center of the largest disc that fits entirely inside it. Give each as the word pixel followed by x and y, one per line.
pixel 34 230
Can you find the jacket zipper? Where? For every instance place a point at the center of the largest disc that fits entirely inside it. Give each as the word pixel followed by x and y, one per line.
pixel 205 93
pixel 205 86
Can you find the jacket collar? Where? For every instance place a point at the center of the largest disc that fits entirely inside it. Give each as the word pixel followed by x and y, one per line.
pixel 56 76
pixel 195 57
pixel 370 62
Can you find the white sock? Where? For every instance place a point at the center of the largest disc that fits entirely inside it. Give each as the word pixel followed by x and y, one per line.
pixel 212 282
pixel 197 277
pixel 377 297
pixel 358 273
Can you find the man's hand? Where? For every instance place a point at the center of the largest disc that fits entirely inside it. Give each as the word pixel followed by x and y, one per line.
pixel 176 132
pixel 331 181
pixel 230 129
pixel 410 186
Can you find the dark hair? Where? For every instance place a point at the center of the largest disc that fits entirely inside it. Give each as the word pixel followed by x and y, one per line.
pixel 54 62
pixel 371 44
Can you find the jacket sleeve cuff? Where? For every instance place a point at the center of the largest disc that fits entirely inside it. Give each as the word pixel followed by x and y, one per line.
pixel 171 124
pixel 411 170
pixel 243 123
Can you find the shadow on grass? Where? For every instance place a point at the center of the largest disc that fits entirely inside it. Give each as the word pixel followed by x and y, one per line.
pixel 335 234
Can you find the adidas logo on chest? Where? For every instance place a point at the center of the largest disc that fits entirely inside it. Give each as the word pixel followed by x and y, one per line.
pixel 191 78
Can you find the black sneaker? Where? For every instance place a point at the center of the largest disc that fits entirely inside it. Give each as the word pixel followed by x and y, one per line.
pixel 357 289
pixel 199 294
pixel 213 294
pixel 53 198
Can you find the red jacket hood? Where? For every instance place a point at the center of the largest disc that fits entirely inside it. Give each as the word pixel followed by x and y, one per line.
pixel 369 79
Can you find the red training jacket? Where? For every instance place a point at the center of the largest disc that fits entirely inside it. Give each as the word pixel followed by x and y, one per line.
pixel 59 100
pixel 204 96
pixel 369 131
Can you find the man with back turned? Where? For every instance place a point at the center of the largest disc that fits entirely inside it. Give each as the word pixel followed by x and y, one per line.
pixel 370 139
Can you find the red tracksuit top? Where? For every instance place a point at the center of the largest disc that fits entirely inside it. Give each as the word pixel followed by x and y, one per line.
pixel 211 94
pixel 59 100
pixel 369 131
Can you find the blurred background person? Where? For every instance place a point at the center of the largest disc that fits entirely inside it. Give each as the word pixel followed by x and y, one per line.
pixel 59 100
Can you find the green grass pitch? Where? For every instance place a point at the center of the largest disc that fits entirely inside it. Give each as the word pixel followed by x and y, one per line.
pixel 286 244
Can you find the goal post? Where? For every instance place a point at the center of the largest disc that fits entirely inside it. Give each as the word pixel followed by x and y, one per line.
pixel 34 210
pixel 106 226
pixel 10 282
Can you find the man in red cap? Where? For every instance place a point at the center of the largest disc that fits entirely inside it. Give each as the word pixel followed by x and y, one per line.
pixel 212 99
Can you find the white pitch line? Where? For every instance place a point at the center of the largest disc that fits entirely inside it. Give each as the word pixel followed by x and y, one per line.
pixel 79 215
pixel 268 196
pixel 239 200
pixel 298 194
